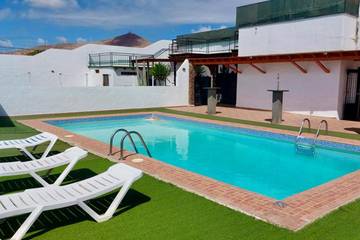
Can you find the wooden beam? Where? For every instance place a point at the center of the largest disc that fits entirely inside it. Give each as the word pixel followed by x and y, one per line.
pixel 258 68
pixel 235 69
pixel 285 58
pixel 323 67
pixel 303 70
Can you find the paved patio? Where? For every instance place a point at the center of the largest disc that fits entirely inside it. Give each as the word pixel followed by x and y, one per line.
pixel 288 118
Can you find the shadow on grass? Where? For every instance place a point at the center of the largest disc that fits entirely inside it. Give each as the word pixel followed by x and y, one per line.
pixel 66 216
pixel 5 120
pixel 23 158
pixel 270 120
pixel 16 185
pixel 355 130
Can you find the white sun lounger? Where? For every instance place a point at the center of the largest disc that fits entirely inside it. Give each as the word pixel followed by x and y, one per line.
pixel 70 157
pixel 36 201
pixel 33 141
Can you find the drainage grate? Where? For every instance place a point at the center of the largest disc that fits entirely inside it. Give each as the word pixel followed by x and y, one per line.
pixel 280 204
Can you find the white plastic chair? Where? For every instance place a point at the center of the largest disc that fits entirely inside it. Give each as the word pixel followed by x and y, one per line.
pixel 36 201
pixel 70 157
pixel 34 141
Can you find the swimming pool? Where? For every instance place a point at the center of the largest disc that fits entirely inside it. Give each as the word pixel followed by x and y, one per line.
pixel 257 161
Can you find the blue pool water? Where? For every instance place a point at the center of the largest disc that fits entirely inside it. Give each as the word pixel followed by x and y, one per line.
pixel 260 162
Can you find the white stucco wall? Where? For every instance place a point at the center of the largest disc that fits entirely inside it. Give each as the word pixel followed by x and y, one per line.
pixel 315 93
pixel 64 68
pixel 43 100
pixel 321 34
pixel 26 100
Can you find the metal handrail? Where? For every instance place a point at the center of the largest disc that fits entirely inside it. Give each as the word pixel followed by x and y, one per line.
pixel 320 125
pixel 186 45
pixel 128 134
pixel 317 132
pixel 113 136
pixel 302 126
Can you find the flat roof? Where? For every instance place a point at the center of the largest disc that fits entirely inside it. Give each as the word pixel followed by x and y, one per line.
pixel 274 11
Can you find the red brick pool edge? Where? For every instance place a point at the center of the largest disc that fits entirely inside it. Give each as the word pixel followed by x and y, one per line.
pixel 293 213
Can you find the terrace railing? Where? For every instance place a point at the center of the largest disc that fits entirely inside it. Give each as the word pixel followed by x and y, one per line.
pixel 115 59
pixel 110 59
pixel 155 55
pixel 198 46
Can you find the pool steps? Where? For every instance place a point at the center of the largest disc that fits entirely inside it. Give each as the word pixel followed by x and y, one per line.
pixel 128 134
pixel 301 143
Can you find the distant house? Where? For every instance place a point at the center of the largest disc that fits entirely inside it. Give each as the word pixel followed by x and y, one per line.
pixel 310 47
pixel 90 65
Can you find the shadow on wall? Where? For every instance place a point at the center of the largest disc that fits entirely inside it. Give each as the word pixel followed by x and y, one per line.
pixel 5 120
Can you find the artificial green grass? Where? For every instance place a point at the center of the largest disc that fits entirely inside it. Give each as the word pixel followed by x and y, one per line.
pixel 157 210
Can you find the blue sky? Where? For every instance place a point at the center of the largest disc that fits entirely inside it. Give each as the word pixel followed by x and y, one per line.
pixel 25 23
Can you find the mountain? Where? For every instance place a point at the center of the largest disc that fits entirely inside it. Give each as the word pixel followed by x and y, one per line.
pixel 126 40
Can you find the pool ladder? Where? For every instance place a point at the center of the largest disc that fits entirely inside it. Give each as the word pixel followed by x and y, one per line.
pixel 309 146
pixel 127 135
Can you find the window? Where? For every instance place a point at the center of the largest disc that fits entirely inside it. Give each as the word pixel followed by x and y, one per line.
pixel 128 73
pixel 106 81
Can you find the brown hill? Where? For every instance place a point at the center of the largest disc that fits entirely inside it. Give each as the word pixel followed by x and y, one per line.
pixel 126 40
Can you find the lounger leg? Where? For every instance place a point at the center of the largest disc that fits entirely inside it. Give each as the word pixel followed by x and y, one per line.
pixel 60 179
pixel 39 179
pixel 45 154
pixel 20 233
pixel 111 210
pixel 24 150
pixel 49 147
pixel 66 172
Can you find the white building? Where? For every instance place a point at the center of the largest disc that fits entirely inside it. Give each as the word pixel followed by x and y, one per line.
pixel 311 46
pixel 90 65
pixel 89 78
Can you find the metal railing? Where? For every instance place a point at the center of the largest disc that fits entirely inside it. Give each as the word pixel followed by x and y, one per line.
pixel 198 46
pixel 299 144
pixel 305 120
pixel 153 56
pixel 319 129
pixel 110 59
pixel 312 144
pixel 115 59
pixel 112 140
pixel 129 135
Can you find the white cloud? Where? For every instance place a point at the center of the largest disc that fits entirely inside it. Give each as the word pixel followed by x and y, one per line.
pixel 61 39
pixel 6 43
pixel 207 28
pixel 4 13
pixel 115 14
pixel 81 40
pixel 52 4
pixel 41 41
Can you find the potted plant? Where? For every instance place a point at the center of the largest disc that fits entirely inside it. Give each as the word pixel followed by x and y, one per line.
pixel 160 72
